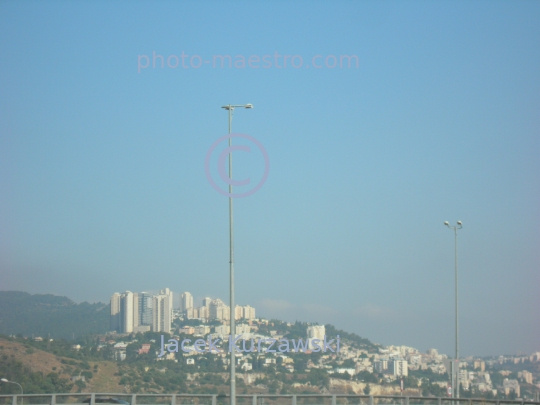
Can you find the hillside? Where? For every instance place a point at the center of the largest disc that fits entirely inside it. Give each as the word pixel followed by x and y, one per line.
pixel 60 346
pixel 41 372
pixel 49 315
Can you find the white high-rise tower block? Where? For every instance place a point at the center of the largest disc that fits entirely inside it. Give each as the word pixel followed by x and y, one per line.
pixel 161 313
pixel 315 332
pixel 186 301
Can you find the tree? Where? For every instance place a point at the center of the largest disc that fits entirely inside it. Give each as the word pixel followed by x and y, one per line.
pixel 319 377
pixel 272 387
pixel 80 384
pixel 367 389
pixel 349 363
pixel 366 376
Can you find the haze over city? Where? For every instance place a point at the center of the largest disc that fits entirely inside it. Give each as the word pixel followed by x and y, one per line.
pixel 103 186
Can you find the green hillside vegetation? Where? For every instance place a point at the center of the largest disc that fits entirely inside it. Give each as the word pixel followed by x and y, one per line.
pixel 353 338
pixel 33 382
pixel 49 315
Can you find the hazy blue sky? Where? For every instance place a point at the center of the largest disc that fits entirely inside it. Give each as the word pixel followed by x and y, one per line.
pixel 102 177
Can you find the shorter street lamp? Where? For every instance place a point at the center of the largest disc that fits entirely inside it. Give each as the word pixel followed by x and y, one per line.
pixel 5 380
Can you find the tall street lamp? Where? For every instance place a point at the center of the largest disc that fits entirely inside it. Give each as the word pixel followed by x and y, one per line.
pixel 231 108
pixel 455 369
pixel 5 380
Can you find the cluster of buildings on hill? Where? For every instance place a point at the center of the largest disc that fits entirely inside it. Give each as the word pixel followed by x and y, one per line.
pixel 473 374
pixel 141 311
pixel 144 312
pixel 213 309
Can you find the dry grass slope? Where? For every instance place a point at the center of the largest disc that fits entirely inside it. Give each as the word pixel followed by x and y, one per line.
pixel 40 361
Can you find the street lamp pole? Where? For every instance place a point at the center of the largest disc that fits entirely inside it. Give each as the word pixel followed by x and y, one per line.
pixel 455 369
pixel 13 382
pixel 232 321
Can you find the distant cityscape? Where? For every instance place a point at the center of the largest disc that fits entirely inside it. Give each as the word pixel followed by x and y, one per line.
pixel 141 333
pixel 144 312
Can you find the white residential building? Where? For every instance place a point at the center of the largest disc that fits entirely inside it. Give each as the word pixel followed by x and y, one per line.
pixel 135 312
pixel 248 312
pixel 124 312
pixel 315 332
pixel 168 293
pixel 238 312
pixel 126 309
pixel 186 301
pixel 201 330
pixel 218 310
pixel 161 313
pixel 381 365
pixel 145 309
pixel 206 301
pixel 398 367
pixel 223 330
pixel 115 312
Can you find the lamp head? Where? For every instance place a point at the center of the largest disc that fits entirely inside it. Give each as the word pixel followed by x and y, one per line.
pixel 249 106
pixel 4 380
pixel 459 223
pixel 446 223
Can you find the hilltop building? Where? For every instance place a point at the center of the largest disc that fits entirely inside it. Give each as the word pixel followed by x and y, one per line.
pixel 315 332
pixel 141 312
